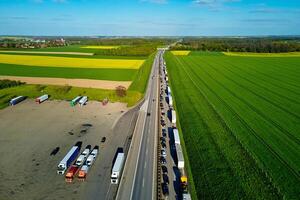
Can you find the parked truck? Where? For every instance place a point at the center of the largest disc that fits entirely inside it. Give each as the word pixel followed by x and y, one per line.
pixel 16 100
pixel 68 160
pixel 42 98
pixel 169 90
pixel 88 163
pixel 117 168
pixel 176 136
pixel 83 172
pixel 180 158
pixel 83 100
pixel 75 101
pixel 71 173
pixel 173 117
pixel 170 100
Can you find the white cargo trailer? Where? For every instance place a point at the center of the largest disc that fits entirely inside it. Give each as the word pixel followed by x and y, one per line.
pixel 169 90
pixel 170 100
pixel 173 116
pixel 117 168
pixel 186 196
pixel 83 100
pixel 180 158
pixel 176 136
pixel 42 98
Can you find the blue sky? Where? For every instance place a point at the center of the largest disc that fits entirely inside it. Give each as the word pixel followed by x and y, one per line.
pixel 150 17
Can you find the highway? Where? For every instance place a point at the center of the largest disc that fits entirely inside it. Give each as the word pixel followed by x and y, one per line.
pixel 139 174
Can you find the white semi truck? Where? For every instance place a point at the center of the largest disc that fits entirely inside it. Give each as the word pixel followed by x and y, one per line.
pixel 83 100
pixel 68 160
pixel 117 168
pixel 173 116
pixel 176 136
pixel 180 158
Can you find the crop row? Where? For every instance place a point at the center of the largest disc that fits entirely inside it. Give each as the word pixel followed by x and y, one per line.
pixel 256 121
pixel 221 168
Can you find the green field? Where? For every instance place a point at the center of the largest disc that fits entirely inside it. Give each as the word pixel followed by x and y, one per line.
pixel 240 120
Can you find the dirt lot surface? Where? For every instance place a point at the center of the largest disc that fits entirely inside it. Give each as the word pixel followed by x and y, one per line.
pixel 48 52
pixel 86 83
pixel 30 132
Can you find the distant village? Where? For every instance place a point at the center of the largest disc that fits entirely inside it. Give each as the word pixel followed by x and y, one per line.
pixel 30 43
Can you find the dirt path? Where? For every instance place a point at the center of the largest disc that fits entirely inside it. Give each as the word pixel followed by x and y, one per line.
pixel 48 52
pixel 86 83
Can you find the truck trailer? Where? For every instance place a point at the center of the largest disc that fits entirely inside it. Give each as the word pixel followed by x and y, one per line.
pixel 173 117
pixel 83 100
pixel 176 136
pixel 16 100
pixel 180 158
pixel 83 172
pixel 117 168
pixel 170 100
pixel 75 101
pixel 71 173
pixel 42 98
pixel 68 160
pixel 169 90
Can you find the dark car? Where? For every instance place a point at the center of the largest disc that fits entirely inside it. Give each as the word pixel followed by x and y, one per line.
pixel 166 179
pixel 163 160
pixel 164 169
pixel 103 139
pixel 162 139
pixel 165 189
pixel 163 145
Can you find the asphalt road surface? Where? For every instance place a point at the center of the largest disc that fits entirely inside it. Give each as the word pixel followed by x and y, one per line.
pixel 139 176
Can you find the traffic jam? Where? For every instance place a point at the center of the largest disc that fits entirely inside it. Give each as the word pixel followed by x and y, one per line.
pixel 173 176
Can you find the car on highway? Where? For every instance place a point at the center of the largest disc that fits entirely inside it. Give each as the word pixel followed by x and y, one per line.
pixel 165 189
pixel 163 153
pixel 162 139
pixel 166 179
pixel 164 169
pixel 163 160
pixel 163 145
pixel 164 132
pixel 103 139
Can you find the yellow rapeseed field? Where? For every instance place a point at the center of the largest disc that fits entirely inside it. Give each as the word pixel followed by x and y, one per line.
pixel 50 61
pixel 180 53
pixel 249 54
pixel 100 47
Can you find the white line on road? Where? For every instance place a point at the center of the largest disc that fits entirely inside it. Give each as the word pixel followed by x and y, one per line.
pixel 145 164
pixel 143 182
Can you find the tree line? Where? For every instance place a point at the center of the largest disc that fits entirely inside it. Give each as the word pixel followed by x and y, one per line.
pixel 257 45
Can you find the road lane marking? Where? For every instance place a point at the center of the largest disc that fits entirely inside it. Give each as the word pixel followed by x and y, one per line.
pixel 145 164
pixel 143 182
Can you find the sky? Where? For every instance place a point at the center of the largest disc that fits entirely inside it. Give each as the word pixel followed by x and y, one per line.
pixel 150 17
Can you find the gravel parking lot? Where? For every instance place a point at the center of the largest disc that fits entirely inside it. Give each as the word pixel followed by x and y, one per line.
pixel 30 132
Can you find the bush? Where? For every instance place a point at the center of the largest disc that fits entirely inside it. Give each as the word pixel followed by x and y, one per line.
pixel 121 91
pixel 8 83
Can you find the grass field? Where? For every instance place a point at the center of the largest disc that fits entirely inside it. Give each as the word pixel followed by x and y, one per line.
pixel 247 54
pixel 240 120
pixel 50 61
pixel 180 53
pixel 100 47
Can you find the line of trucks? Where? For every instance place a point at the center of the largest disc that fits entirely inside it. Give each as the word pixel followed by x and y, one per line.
pixel 78 165
pixel 179 153
pixel 19 99
pixel 81 100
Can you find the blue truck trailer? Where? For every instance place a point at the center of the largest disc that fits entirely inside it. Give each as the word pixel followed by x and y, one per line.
pixel 68 160
pixel 16 100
